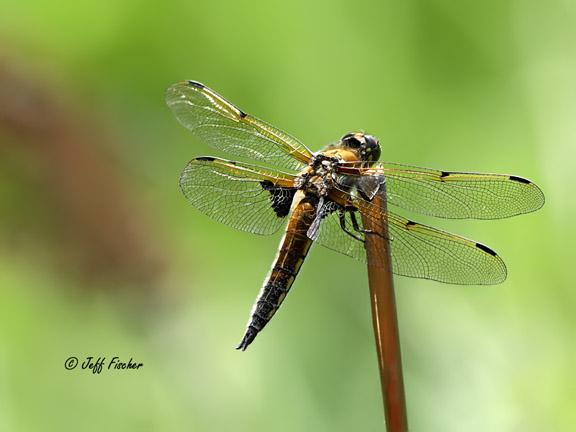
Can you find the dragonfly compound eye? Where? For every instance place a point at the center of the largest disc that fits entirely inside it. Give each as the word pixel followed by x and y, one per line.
pixel 371 148
pixel 352 140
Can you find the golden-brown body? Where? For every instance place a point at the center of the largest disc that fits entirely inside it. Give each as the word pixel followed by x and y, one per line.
pixel 293 250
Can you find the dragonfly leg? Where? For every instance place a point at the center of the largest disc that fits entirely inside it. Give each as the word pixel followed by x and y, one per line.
pixel 342 218
pixel 356 226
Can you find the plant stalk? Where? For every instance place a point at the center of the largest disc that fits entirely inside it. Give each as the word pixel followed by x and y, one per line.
pixel 384 318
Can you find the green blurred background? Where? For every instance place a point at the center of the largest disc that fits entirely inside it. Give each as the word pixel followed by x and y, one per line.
pixel 100 254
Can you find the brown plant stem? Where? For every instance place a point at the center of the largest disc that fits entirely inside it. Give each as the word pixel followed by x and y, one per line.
pixel 384 319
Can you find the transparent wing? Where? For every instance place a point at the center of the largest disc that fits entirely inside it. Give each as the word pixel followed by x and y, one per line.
pixel 218 123
pixel 425 252
pixel 417 250
pixel 332 236
pixel 457 195
pixel 242 196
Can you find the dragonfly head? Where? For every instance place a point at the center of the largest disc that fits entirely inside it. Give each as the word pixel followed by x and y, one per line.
pixel 366 146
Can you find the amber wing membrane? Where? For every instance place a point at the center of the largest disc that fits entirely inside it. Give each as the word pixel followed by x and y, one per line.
pixel 242 196
pixel 220 124
pixel 457 195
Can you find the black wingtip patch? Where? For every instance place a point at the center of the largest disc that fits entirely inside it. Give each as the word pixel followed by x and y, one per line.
pixel 206 158
pixel 519 179
pixel 443 175
pixel 485 249
pixel 196 84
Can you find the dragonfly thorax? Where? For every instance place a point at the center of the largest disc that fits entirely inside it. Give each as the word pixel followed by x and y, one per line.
pixel 319 176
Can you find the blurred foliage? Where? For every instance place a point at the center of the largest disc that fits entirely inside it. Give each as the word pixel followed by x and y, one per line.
pixel 475 86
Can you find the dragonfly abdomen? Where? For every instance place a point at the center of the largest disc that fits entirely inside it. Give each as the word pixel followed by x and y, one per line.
pixel 293 250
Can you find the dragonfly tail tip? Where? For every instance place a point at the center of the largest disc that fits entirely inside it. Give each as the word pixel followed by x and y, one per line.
pixel 242 346
pixel 251 333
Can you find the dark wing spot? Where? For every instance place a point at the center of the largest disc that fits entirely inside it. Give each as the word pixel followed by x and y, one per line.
pixel 242 114
pixel 205 158
pixel 410 223
pixel 280 198
pixel 196 84
pixel 444 174
pixel 485 249
pixel 519 179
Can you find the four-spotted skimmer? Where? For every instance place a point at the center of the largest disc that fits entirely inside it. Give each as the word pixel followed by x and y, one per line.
pixel 322 193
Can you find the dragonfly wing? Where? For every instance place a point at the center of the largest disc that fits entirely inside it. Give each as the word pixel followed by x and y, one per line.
pixel 460 195
pixel 454 195
pixel 220 124
pixel 242 196
pixel 417 250
pixel 331 235
pixel 424 252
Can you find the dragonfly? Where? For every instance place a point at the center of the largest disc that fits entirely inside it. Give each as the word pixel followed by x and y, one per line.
pixel 320 196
